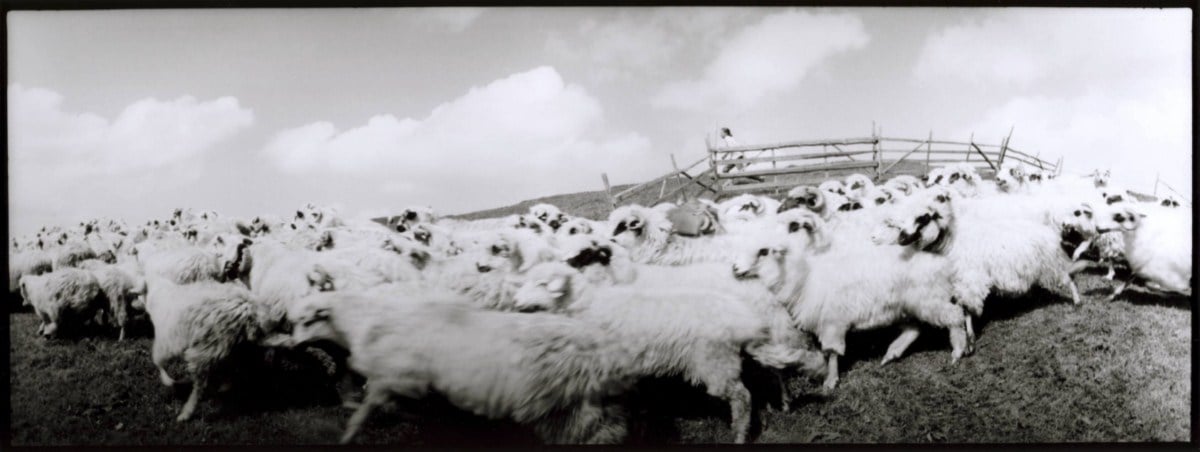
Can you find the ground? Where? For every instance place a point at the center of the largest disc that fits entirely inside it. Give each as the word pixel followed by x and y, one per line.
pixel 1044 371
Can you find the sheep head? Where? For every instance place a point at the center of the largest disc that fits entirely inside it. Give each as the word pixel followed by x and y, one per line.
pixel 313 321
pixel 575 226
pixel 1169 201
pixel 807 196
pixel 833 186
pixel 547 286
pixel 762 259
pixel 232 253
pixel 1118 217
pixel 808 224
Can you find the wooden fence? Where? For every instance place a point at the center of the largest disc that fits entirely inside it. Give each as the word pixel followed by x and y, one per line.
pixel 777 167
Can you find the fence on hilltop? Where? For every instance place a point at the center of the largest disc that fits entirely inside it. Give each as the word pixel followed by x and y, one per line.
pixel 777 167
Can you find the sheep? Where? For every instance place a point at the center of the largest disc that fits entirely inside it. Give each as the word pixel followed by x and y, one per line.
pixel 180 264
pixel 548 214
pixel 63 299
pixel 745 207
pixel 694 218
pixel 680 331
pixel 1169 201
pixel 29 262
pixel 485 273
pixel 118 283
pixel 835 293
pixel 204 323
pixel 411 216
pixel 1008 255
pixel 530 368
pixel 646 233
pixel 833 186
pixel 1158 244
pixel 71 253
pixel 575 226
pixel 858 184
pixel 813 199
pixel 903 184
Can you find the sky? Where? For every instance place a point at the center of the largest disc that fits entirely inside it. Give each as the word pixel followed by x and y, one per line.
pixel 130 114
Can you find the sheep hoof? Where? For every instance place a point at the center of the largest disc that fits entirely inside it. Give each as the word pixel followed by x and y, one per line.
pixel 830 384
pixel 183 417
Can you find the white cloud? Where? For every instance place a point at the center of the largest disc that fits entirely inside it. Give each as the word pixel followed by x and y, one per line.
pixel 455 20
pixel 1102 88
pixel 767 58
pixel 145 135
pixel 641 42
pixel 1022 46
pixel 1135 136
pixel 66 166
pixel 529 134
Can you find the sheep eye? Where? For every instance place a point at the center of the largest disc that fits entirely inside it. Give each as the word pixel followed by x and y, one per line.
pixel 1118 218
pixel 763 252
pixel 880 200
pixel 495 249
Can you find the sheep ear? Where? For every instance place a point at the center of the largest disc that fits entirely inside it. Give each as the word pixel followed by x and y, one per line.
pixel 557 284
pixel 321 314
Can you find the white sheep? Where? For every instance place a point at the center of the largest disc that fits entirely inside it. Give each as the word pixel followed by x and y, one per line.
pixel 548 214
pixel 203 323
pixel 1008 255
pixel 903 184
pixel 64 299
pixel 1158 244
pixel 119 284
pixel 857 184
pixel 833 186
pixel 860 286
pixel 181 264
pixel 646 233
pixel 681 331
pixel 32 261
pixel 740 209
pixel 71 253
pixel 530 368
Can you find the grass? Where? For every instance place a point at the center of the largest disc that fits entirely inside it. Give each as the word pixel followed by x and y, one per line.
pixel 1044 371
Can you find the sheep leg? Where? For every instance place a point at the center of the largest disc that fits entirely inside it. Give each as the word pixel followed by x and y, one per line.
pixel 1111 273
pixel 1080 249
pixel 831 379
pixel 785 392
pixel 950 316
pixel 739 407
pixel 1070 283
pixel 200 370
pixel 1079 266
pixel 376 395
pixel 908 334
pixel 159 355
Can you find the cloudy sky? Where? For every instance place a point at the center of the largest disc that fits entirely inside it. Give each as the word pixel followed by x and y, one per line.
pixel 131 113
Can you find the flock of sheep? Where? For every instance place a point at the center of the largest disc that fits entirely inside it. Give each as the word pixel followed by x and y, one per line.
pixel 545 318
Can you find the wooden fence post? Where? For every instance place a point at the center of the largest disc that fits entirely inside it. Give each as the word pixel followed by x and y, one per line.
pixel 1004 147
pixel 1155 185
pixel 608 190
pixel 928 149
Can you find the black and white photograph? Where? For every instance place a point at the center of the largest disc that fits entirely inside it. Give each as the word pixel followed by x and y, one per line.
pixel 676 225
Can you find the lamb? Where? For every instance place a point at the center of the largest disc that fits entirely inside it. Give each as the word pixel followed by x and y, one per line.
pixel 1158 244
pixel 531 368
pixel 205 323
pixel 64 299
pixel 681 331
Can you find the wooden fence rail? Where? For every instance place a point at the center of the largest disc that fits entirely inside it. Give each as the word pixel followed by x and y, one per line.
pixel 774 166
